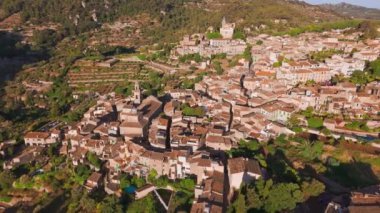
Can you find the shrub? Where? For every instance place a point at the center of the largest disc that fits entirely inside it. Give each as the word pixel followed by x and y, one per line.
pixel 315 122
pixel 213 35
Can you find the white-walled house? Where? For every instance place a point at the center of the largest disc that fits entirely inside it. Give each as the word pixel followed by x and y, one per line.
pixel 242 170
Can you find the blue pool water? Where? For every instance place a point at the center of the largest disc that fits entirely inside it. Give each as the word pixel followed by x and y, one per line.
pixel 130 189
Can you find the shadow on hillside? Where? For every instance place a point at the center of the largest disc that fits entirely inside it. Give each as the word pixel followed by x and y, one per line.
pixel 280 167
pixel 353 175
pixel 14 55
pixel 345 175
pixel 118 50
pixel 340 180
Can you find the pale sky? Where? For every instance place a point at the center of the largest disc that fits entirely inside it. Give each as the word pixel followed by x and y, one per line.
pixel 366 3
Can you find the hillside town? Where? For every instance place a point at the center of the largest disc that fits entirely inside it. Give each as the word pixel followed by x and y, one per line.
pixel 190 133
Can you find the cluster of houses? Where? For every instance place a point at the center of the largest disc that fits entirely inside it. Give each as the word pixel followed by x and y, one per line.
pixel 288 58
pixel 199 43
pixel 188 134
pixel 250 106
pixel 136 135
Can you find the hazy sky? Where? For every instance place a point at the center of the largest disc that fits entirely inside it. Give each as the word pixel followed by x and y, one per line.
pixel 366 3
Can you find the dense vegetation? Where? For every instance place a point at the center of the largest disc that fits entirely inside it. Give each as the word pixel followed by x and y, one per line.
pixel 192 111
pixel 324 27
pixel 370 74
pixel 176 17
pixel 291 164
pixel 286 186
pixel 321 56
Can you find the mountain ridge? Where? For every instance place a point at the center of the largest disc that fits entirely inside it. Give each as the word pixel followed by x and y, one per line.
pixel 353 11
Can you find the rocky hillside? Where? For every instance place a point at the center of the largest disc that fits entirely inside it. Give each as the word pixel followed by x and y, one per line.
pixel 353 11
pixel 81 15
pixel 295 12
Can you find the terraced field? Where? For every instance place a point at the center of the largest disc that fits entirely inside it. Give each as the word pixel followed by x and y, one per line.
pixel 97 75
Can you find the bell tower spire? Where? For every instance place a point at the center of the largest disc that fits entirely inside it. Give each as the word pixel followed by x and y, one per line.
pixel 137 93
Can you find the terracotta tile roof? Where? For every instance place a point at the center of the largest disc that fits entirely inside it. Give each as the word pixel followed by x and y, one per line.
pixel 95 177
pixel 218 139
pixel 238 165
pixel 163 121
pixel 39 135
pixel 141 123
pixel 149 106
pixel 202 162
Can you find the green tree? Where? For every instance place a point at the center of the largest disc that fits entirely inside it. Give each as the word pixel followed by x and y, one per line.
pixel 161 182
pixel 283 196
pixel 138 182
pixel 308 112
pixel 239 204
pixel 253 201
pixel 238 34
pixel 358 125
pixel 94 160
pixel 189 111
pixel 338 79
pixel 321 56
pixel 124 181
pixel 87 204
pixel 213 35
pixel 312 188
pixel 270 197
pixel 145 205
pixel 247 149
pixel 52 149
pixel 277 64
pixel 125 90
pixel 374 68
pixel 310 83
pixel 187 184
pixel 257 193
pixel 152 176
pixel 293 121
pixel 315 122
pixel 359 77
pixel 83 170
pixel 310 151
pixel 326 131
pixel 110 204
pixel 6 180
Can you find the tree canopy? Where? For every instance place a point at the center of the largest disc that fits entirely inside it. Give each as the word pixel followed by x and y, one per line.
pixel 268 196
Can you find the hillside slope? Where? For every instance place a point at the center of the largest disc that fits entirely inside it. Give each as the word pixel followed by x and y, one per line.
pixel 170 15
pixel 354 11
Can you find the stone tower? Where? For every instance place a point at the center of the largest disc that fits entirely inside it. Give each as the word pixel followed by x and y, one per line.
pixel 137 93
pixel 227 29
